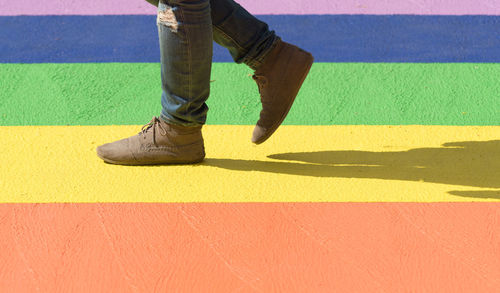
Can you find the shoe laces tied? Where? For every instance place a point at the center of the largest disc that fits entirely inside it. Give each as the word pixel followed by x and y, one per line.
pixel 155 122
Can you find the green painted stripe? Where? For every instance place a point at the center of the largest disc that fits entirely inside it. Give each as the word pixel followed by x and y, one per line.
pixel 334 93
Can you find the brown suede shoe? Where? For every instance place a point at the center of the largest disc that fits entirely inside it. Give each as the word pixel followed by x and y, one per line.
pixel 279 78
pixel 157 143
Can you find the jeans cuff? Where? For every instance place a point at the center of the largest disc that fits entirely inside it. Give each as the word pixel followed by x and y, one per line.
pixel 257 61
pixel 171 120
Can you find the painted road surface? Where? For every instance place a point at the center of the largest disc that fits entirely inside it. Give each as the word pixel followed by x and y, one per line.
pixel 385 177
pixel 250 247
pixel 333 94
pixel 343 38
pixel 298 164
pixel 421 7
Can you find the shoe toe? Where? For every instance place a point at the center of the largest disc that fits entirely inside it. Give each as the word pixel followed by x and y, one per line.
pixel 259 134
pixel 106 152
pixel 115 152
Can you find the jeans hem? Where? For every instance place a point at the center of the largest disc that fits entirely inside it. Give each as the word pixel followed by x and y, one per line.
pixel 257 61
pixel 174 121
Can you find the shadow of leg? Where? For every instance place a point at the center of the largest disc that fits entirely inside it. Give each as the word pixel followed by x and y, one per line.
pixel 470 163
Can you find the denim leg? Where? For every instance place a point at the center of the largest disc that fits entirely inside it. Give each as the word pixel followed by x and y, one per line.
pixel 185 35
pixel 247 38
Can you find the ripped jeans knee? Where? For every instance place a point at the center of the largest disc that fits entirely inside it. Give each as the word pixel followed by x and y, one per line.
pixel 166 17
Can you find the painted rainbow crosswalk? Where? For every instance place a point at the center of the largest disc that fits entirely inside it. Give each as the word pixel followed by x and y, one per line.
pixel 385 176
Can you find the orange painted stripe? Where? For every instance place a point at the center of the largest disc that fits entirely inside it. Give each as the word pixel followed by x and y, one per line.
pixel 250 247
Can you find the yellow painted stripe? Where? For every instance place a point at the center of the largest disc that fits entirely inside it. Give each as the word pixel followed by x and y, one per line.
pixel 298 164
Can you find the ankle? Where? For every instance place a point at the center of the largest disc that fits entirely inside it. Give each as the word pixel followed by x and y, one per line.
pixel 261 60
pixel 270 57
pixel 180 128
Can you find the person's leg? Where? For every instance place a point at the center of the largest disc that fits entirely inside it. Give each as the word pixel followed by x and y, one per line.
pixel 280 68
pixel 247 38
pixel 185 34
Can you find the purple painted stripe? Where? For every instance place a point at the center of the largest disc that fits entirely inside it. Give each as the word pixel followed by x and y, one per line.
pixel 114 7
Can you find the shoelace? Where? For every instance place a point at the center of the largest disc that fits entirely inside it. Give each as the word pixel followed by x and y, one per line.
pixel 155 122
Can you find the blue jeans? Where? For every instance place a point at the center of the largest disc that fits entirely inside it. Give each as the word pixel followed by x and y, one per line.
pixel 187 29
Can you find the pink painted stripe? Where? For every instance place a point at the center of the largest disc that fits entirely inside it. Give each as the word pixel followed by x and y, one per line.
pixel 422 7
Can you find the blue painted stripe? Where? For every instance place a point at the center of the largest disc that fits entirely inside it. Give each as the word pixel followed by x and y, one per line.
pixel 331 38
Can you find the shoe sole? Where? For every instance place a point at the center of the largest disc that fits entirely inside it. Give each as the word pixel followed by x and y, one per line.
pixel 107 161
pixel 180 162
pixel 301 81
